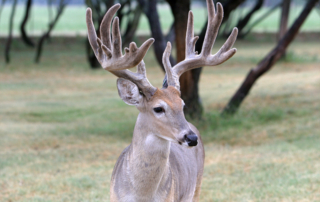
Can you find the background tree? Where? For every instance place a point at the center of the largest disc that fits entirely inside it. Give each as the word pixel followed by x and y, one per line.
pixel 130 14
pixel 149 8
pixel 46 35
pixel 267 62
pixel 245 20
pixel 285 8
pixel 23 32
pixel 8 44
pixel 248 28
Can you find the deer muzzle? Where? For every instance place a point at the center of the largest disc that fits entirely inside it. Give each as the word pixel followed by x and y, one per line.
pixel 191 139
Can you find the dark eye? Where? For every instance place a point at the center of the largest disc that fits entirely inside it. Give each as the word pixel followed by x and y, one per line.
pixel 158 110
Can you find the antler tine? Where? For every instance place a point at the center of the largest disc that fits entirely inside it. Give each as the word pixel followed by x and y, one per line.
pixel 116 38
pixel 139 78
pixel 109 53
pixel 190 39
pixel 225 52
pixel 214 21
pixel 105 25
pixel 193 60
pixel 92 36
pixel 172 79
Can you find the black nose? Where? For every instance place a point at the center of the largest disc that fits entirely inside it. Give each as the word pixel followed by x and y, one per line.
pixel 191 139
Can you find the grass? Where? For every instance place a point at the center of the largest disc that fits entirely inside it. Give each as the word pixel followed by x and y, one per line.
pixel 72 20
pixel 62 126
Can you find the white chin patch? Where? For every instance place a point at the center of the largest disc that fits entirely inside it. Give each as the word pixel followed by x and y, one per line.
pixel 185 144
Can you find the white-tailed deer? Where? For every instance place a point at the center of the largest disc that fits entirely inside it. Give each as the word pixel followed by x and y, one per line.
pixel 165 160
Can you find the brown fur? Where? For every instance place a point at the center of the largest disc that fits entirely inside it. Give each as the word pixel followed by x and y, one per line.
pixel 169 95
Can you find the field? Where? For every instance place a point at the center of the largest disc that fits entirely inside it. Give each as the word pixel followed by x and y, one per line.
pixel 62 126
pixel 72 21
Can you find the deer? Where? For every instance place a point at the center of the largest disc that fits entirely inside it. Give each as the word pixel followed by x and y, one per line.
pixel 165 160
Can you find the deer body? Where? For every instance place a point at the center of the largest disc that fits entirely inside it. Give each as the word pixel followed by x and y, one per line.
pixel 166 157
pixel 154 169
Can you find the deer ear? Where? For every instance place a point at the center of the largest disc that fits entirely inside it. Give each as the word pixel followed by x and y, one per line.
pixel 129 92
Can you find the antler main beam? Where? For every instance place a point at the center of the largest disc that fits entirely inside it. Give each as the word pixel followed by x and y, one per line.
pixel 193 59
pixel 109 53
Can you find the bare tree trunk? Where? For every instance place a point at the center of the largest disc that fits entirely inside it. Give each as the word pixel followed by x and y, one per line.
pixel 171 34
pixel 133 18
pixel 317 9
pixel 150 9
pixel 50 14
pixel 267 62
pixel 244 21
pixel 284 19
pixel 24 35
pixel 252 25
pixel 229 6
pixel 8 44
pixel 61 7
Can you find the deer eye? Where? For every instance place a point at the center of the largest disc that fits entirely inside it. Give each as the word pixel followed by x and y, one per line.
pixel 158 109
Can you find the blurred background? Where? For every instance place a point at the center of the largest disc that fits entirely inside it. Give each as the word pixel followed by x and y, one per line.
pixel 63 125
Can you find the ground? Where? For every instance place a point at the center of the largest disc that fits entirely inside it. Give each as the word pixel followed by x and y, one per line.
pixel 62 126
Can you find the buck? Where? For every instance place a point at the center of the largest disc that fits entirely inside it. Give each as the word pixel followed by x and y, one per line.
pixel 165 160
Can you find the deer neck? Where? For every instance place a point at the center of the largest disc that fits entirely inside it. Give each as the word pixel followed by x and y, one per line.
pixel 149 159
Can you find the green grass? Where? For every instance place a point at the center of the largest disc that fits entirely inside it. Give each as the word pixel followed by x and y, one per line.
pixel 62 126
pixel 73 20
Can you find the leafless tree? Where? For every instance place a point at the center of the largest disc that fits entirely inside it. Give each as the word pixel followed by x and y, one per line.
pixel 267 62
pixel 23 32
pixel 250 26
pixel 284 19
pixel 243 22
pixel 45 36
pixel 8 44
pixel 149 8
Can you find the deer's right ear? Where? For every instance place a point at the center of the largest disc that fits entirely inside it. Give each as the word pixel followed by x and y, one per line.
pixel 129 92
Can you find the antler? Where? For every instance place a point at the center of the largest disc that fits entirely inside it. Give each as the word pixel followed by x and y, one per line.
pixel 109 52
pixel 193 59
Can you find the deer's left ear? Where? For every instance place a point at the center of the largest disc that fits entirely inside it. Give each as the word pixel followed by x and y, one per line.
pixel 129 92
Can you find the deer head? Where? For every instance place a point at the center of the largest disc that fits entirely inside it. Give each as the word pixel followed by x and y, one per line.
pixel 161 108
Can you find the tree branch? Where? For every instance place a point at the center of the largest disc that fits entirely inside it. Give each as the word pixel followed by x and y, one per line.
pixel 244 21
pixel 8 44
pixel 252 25
pixel 266 63
pixel 150 9
pixel 60 9
pixel 24 35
